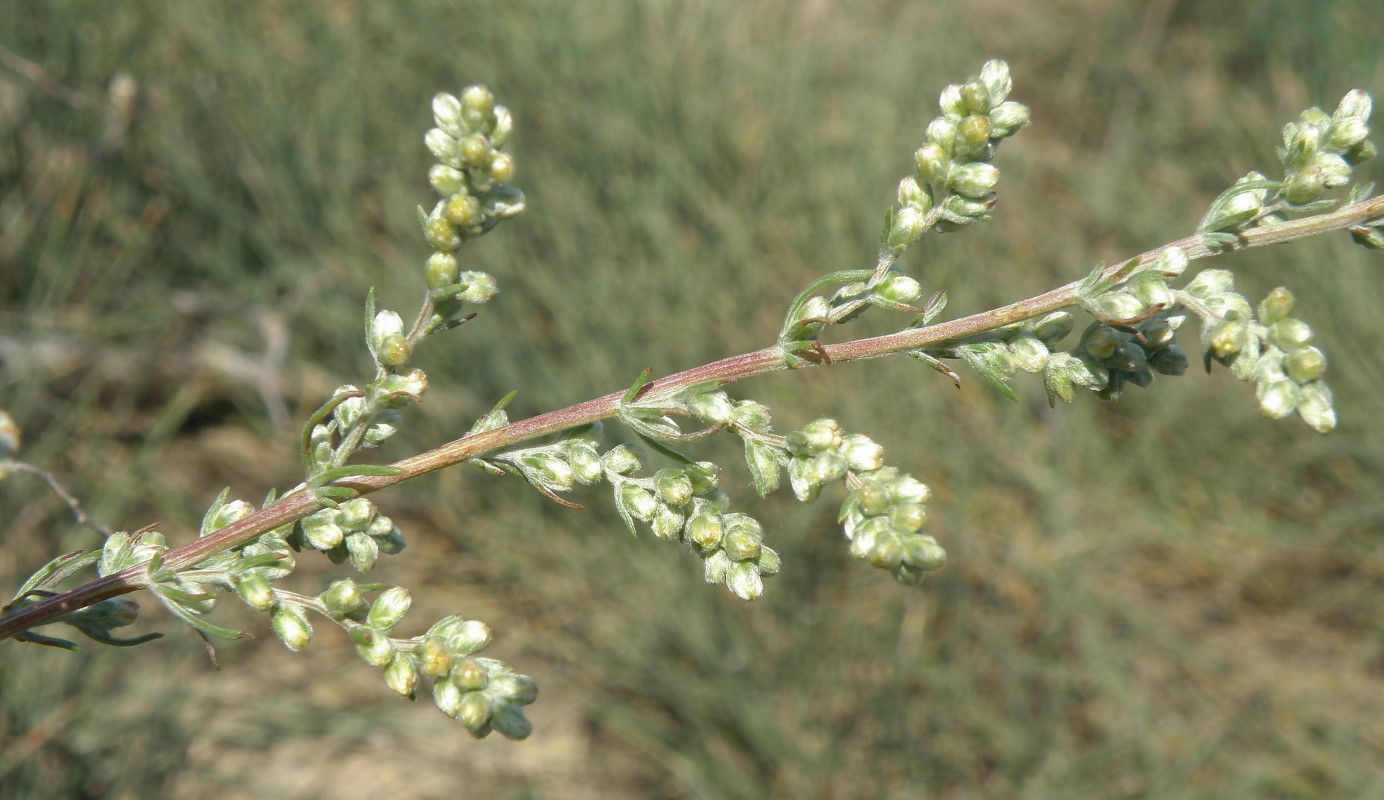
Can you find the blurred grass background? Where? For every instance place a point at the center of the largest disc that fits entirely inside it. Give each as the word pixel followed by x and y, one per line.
pixel 1166 598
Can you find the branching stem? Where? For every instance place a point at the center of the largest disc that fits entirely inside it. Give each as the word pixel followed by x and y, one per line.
pixel 298 505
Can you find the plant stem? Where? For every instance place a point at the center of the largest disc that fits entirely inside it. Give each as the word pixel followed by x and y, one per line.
pixel 297 505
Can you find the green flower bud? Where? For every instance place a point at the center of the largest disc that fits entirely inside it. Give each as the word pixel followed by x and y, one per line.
pixel 1276 306
pixel 585 461
pixel 469 675
pixel 501 167
pixel 907 489
pixel 976 96
pixel 941 132
pixel 862 454
pixel 1150 290
pixel 442 235
pixel 1007 118
pixel 461 636
pixel 821 434
pixel 1290 334
pixel 447 112
pixel 363 550
pixel 741 543
pixel 256 592
pixel 638 502
pixel 621 459
pixel 1101 341
pixel 402 675
pixel 474 714
pixel 442 270
pixel 1360 153
pixel 447 181
pixel 907 225
pixel 933 164
pixel 388 609
pixel 1356 103
pixel 355 514
pixel 1170 360
pixel 342 598
pixel 887 553
pixel 1155 334
pixel 825 468
pixel 1209 283
pixel 867 534
pixel 1128 357
pixel 1118 306
pixel 705 530
pixel 447 697
pixel 474 150
pixel 374 647
pixel 908 517
pixel 463 210
pixel 711 405
pixel 1305 186
pixel 510 721
pixel 1278 398
pixel 923 552
pixel 321 531
pixel 1304 364
pixel 291 627
pixel 673 486
pixel 951 103
pixel 973 134
pixel 995 76
pixel 874 497
pixel 899 289
pixel 516 689
pixel 1029 353
pixel 1314 406
pixel 1054 327
pixel 478 102
pixel 975 180
pixel 1335 170
pixel 911 193
pixel 1235 210
pixel 1228 337
pixel 744 581
pixel 667 522
pixel 395 351
pixel 753 416
pixel 433 657
pixel 705 476
pixel 442 146
pixel 768 562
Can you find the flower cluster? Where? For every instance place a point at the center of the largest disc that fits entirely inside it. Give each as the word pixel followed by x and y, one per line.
pixel 472 172
pixel 1319 153
pixel 1131 354
pixel 954 183
pixel 1274 351
pixel 481 693
pixel 354 529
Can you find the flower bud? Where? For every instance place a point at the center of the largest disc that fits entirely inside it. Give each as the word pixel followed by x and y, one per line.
pixel 933 163
pixel 389 608
pixel 1356 104
pixel 1314 406
pixel 906 227
pixel 442 146
pixel 469 675
pixel 446 180
pixel 473 712
pixel 501 167
pixel 995 76
pixel 1128 357
pixel 256 592
pixel 705 530
pixel 637 502
pixel 1117 306
pixel 402 674
pixel 975 180
pixel 1054 327
pixel 951 103
pixel 584 460
pixel 463 210
pixel 1028 352
pixel 907 489
pixel 1228 337
pixel 1170 360
pixel 395 351
pixel 923 552
pixel 291 627
pixel 704 476
pixel 1008 117
pixel 667 522
pixel 972 134
pixel 447 697
pixel 1304 186
pixel 510 721
pixel 1101 341
pixel 1290 334
pixel 1278 399
pixel 433 657
pixel 713 406
pixel 899 289
pixel 478 102
pixel 942 133
pixel 321 531
pixel 1304 364
pixel 1209 283
pixel 621 459
pixel 441 234
pixel 447 113
pixel 821 434
pixel 373 647
pixel 908 517
pixel 912 193
pixel 744 581
pixel 976 96
pixel 1276 306
pixel 1335 170
pixel 673 486
pixel 474 150
pixel 862 454
pixel 342 598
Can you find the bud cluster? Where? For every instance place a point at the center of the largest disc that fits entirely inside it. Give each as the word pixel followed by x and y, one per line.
pixel 881 517
pixel 354 529
pixel 482 694
pixel 954 181
pixel 1319 153
pixel 1275 351
pixel 1120 355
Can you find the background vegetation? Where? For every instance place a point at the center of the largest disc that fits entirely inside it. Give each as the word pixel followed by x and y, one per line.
pixel 1165 598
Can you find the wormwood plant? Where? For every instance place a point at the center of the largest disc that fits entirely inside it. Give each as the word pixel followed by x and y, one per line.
pixel 1132 313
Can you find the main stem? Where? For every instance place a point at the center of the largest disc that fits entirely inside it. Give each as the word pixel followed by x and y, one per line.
pixel 298 505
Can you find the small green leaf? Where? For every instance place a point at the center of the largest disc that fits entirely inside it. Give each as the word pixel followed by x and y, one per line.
pixel 993 361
